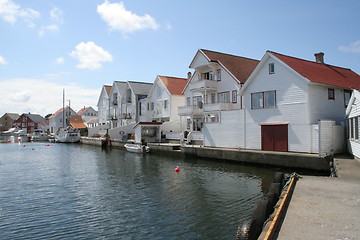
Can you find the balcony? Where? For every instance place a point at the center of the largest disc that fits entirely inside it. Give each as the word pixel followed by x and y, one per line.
pixel 204 84
pixel 220 107
pixel 189 110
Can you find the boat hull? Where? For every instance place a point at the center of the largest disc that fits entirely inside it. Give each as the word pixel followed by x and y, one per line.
pixel 136 148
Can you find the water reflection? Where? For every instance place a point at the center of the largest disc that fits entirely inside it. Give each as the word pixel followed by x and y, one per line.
pixel 78 191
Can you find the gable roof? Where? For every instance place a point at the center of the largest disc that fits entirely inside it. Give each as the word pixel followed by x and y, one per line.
pixel 173 84
pixel 60 111
pixel 140 88
pixel 84 109
pixel 13 116
pixel 36 118
pixel 321 73
pixel 239 67
pixel 77 122
pixel 108 89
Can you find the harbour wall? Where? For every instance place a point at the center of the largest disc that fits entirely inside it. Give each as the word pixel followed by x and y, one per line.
pixel 280 159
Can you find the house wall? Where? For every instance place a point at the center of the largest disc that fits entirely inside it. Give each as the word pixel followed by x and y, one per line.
pixel 291 107
pixel 103 107
pixel 228 132
pixel 354 144
pixel 57 122
pixel 320 107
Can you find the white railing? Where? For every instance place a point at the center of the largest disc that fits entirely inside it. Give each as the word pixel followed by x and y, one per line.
pixel 203 84
pixel 220 106
pixel 189 110
pixel 173 135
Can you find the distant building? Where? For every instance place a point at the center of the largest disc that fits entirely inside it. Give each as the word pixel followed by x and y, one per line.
pixel 61 118
pixel 29 122
pixel 6 121
pixel 76 122
pixel 87 114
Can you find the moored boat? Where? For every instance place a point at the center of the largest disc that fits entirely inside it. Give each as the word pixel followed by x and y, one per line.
pixel 136 148
pixel 67 135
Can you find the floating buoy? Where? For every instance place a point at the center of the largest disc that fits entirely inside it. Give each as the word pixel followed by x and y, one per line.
pixel 24 146
pixel 177 169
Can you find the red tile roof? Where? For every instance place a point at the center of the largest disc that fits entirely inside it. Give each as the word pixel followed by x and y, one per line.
pixel 174 85
pixel 322 73
pixel 81 111
pixel 57 113
pixel 240 67
pixel 77 122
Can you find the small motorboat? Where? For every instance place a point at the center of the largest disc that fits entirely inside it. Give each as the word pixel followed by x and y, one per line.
pixel 136 148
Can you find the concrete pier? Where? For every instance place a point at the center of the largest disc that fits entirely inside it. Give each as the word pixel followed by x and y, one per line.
pixel 325 207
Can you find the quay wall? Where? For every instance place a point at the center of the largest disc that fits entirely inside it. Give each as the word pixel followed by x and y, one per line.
pixel 281 159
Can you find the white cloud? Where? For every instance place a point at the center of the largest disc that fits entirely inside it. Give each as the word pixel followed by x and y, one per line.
pixel 2 60
pixel 42 96
pixel 353 47
pixel 60 60
pixel 118 18
pixel 56 15
pixel 11 12
pixel 90 56
pixel 44 29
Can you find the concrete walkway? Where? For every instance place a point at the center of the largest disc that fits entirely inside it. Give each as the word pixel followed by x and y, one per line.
pixel 325 207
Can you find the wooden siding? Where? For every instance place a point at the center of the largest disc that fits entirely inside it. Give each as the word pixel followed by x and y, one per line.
pixel 320 107
pixel 227 133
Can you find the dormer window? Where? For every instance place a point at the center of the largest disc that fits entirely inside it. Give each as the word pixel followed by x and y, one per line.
pixel 271 68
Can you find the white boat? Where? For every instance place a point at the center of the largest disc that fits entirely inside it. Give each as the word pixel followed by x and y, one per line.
pixel 67 135
pixel 39 136
pixel 137 148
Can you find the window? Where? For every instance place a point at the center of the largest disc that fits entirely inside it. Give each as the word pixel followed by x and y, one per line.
pixel 257 100
pixel 148 106
pixel 213 98
pixel 356 127
pixel 212 118
pixel 188 101
pixel 269 99
pixel 208 76
pixel 331 94
pixel 151 106
pixel 347 95
pixel 166 104
pixel 197 101
pixel 234 96
pixel 263 99
pixel 224 97
pixel 271 68
pixel 218 74
pixel 140 108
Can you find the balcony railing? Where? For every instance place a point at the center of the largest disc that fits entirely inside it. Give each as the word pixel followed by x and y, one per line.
pixel 203 84
pixel 220 106
pixel 189 110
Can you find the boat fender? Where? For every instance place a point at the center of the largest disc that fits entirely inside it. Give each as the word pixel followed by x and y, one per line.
pixel 260 214
pixel 121 133
pixel 278 177
pixel 247 231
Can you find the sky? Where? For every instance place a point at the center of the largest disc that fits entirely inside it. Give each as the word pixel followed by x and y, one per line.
pixel 80 45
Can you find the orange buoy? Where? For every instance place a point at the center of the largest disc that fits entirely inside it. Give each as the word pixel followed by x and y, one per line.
pixel 177 169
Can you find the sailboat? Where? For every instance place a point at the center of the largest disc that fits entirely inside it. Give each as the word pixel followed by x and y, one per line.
pixel 66 134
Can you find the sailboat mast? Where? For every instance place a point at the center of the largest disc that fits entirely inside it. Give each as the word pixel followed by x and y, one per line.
pixel 63 112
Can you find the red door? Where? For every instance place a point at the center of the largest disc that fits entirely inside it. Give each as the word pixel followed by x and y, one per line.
pixel 274 137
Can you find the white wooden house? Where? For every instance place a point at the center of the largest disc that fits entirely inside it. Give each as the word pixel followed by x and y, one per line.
pixel 61 118
pixel 162 103
pixel 291 104
pixel 104 105
pixel 352 116
pixel 211 97
pixel 131 101
pixel 115 95
pixel 87 114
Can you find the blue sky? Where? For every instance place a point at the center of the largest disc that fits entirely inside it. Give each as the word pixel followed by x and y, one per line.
pixel 48 45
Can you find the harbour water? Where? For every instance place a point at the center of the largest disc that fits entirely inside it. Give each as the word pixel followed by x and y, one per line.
pixel 65 191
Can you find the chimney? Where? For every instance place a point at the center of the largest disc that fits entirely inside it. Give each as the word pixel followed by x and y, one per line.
pixel 189 75
pixel 319 57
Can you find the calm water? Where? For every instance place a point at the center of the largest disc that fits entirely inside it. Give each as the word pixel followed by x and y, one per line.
pixel 82 192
